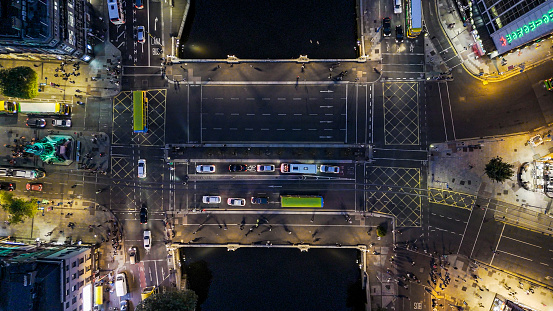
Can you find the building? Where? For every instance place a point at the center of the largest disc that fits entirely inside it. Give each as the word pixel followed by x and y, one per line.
pixel 48 29
pixel 45 278
pixel 501 26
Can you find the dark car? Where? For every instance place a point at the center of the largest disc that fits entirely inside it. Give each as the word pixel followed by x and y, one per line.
pixel 144 214
pixel 399 34
pixel 387 27
pixel 7 186
pixel 36 122
pixel 260 200
pixel 237 168
pixel 139 4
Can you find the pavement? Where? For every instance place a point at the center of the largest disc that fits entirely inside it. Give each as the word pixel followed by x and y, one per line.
pixel 486 69
pixel 458 167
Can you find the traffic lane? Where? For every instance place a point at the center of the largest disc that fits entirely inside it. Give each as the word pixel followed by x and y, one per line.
pixel 276 92
pixel 183 117
pixel 487 237
pixel 529 244
pixel 438 112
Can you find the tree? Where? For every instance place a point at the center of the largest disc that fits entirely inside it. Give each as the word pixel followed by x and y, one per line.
pixel 21 82
pixel 174 301
pixel 17 207
pixel 499 171
pixel 380 231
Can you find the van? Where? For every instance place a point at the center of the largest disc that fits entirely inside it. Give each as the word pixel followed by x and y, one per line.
pixel 121 284
pixel 397 6
pixel 115 12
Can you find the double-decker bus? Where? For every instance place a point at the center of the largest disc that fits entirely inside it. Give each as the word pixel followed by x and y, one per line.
pixel 44 108
pixel 413 18
pixel 301 201
pixel 115 12
pixel 7 107
pixel 140 111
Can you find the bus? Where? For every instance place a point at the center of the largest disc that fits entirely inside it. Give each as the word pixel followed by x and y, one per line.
pixel 7 107
pixel 140 111
pixel 413 18
pixel 115 12
pixel 44 108
pixel 298 168
pixel 301 201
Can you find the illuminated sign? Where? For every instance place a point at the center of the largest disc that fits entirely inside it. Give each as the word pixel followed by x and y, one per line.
pixel 531 26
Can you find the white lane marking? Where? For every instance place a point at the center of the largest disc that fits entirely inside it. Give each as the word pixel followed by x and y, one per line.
pixel 281 114
pixel 234 98
pixel 250 98
pixel 249 129
pixel 515 255
pixel 281 98
pixel 544 264
pixel 313 114
pixel 233 129
pixel 266 114
pixel 234 114
pixel 521 241
pixel 250 114
pixel 219 98
pixel 297 114
pixel 296 98
pixel 264 129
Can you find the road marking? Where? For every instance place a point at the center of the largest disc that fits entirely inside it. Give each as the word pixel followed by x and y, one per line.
pixel 297 114
pixel 234 114
pixel 281 98
pixel 250 98
pixel 250 114
pixel 522 242
pixel 249 129
pixel 234 98
pixel 313 114
pixel 265 114
pixel 217 128
pixel 264 129
pixel 233 129
pixel 281 114
pixel 516 255
pixel 329 114
pixel 544 264
pixel 296 98
pixel 220 98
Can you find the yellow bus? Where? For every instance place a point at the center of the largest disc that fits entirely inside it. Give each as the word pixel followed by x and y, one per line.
pixel 44 108
pixel 301 201
pixel 140 111
pixel 413 16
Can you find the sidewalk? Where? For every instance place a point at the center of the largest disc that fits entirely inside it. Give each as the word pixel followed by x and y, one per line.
pixel 491 70
pixel 458 167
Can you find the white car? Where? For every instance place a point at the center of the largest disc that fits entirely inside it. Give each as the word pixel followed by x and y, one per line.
pixel 147 240
pixel 236 202
pixel 330 169
pixel 203 168
pixel 207 199
pixel 397 6
pixel 142 168
pixel 265 168
pixel 61 122
pixel 121 287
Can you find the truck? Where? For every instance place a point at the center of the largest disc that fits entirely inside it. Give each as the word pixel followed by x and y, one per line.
pixel 7 107
pixel 44 108
pixel 298 168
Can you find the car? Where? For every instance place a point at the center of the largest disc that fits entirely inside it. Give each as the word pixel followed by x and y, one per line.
pixel 124 305
pixel 140 34
pixel 139 4
pixel 61 122
pixel 397 6
pixel 204 168
pixel 143 214
pixel 329 169
pixel 260 200
pixel 133 254
pixel 236 202
pixel 265 168
pixel 387 27
pixel 147 240
pixel 211 199
pixel 399 34
pixel 237 168
pixel 142 168
pixel 121 287
pixel 34 186
pixel 36 122
pixel 7 186
pixel 548 84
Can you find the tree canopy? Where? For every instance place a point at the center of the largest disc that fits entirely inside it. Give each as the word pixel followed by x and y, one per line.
pixel 21 82
pixel 499 171
pixel 174 301
pixel 17 208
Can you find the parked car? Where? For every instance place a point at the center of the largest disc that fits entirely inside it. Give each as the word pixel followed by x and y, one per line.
pixel 142 168
pixel 61 122
pixel 330 169
pixel 207 199
pixel 147 240
pixel 387 27
pixel 140 34
pixel 36 122
pixel 133 255
pixel 397 6
pixel 237 168
pixel 143 214
pixel 260 200
pixel 34 186
pixel 236 202
pixel 124 305
pixel 121 287
pixel 204 168
pixel 399 34
pixel 139 4
pixel 7 186
pixel 265 168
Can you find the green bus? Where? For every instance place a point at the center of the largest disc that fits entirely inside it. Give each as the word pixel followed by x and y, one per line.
pixel 140 111
pixel 301 201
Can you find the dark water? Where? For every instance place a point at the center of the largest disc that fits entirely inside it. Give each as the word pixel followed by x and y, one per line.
pixel 270 29
pixel 277 279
